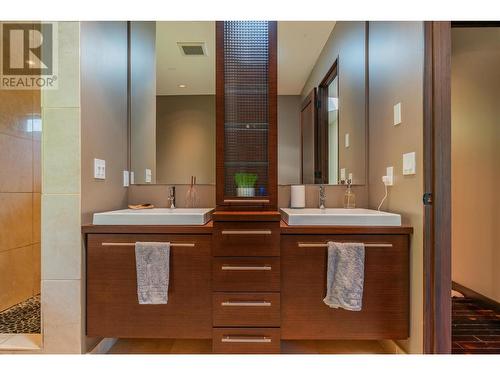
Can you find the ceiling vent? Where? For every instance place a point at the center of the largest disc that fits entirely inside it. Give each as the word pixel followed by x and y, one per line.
pixel 192 48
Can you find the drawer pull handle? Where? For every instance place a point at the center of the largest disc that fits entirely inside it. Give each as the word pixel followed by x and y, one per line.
pixel 323 244
pixel 246 303
pixel 172 244
pixel 261 339
pixel 245 268
pixel 244 232
pixel 246 200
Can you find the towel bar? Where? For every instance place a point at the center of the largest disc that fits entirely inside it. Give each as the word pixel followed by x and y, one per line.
pixel 323 244
pixel 173 244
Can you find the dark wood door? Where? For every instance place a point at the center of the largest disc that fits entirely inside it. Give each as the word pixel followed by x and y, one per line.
pixel 385 311
pixel 112 305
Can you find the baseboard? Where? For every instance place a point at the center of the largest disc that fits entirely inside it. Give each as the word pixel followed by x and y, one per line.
pixel 391 347
pixel 475 295
pixel 103 346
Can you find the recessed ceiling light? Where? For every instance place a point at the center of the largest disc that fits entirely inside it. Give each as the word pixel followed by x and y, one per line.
pixel 182 86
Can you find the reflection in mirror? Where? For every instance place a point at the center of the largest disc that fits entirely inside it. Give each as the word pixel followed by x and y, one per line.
pixel 323 64
pixel 172 78
pixel 328 147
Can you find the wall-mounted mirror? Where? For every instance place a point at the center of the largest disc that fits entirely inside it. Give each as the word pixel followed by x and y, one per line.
pixel 322 120
pixel 172 102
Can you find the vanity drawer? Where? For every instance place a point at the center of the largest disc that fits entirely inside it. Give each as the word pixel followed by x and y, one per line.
pixel 246 309
pixel 246 340
pixel 246 274
pixel 246 238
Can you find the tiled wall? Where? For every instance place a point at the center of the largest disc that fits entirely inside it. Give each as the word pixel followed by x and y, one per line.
pixel 19 196
pixel 61 232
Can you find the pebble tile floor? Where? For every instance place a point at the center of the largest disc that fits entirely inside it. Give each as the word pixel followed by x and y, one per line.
pixel 475 327
pixel 21 318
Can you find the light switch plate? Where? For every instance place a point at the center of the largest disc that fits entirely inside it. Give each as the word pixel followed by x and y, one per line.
pixel 346 140
pixel 99 169
pixel 409 163
pixel 397 114
pixel 148 176
pixel 342 174
pixel 126 181
pixel 132 178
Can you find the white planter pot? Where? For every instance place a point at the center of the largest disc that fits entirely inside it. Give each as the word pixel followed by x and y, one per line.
pixel 245 192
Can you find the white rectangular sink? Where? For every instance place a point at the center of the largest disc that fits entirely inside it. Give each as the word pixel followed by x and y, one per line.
pixel 154 216
pixel 339 216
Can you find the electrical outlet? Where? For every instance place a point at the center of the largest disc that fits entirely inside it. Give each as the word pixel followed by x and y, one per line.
pixel 388 179
pixel 148 176
pixel 126 181
pixel 409 163
pixel 342 174
pixel 99 169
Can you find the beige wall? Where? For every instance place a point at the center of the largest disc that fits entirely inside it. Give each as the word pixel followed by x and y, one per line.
pixel 20 189
pixel 185 134
pixel 289 139
pixel 104 115
pixel 347 42
pixel 475 84
pixel 396 57
pixel 143 100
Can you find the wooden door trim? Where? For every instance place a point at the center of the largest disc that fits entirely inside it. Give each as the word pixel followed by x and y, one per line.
pixel 311 98
pixel 437 181
pixel 323 157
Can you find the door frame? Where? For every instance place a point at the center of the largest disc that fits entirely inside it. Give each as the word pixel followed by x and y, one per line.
pixel 437 183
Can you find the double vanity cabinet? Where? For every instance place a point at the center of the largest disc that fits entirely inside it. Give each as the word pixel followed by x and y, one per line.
pixel 246 281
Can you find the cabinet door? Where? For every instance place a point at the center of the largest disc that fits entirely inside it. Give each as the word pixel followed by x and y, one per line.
pixel 112 305
pixel 385 312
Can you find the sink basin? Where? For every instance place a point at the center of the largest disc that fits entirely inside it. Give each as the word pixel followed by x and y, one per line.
pixel 155 216
pixel 339 216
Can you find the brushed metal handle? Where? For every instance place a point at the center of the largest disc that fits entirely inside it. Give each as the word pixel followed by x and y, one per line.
pixel 246 303
pixel 255 339
pixel 246 200
pixel 323 244
pixel 244 232
pixel 245 268
pixel 172 244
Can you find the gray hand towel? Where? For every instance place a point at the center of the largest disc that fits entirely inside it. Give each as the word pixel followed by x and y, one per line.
pixel 345 275
pixel 152 260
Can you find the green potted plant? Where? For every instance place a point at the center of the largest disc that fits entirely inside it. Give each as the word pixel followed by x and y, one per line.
pixel 245 184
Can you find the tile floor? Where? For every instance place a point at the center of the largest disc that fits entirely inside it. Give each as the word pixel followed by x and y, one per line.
pixel 21 318
pixel 475 327
pixel 160 346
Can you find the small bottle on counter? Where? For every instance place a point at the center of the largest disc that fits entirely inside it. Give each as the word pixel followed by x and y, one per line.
pixel 349 196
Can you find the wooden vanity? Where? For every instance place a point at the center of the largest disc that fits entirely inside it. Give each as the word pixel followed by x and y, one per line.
pixel 246 282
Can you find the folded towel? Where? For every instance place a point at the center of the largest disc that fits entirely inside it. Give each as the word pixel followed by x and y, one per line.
pixel 345 275
pixel 152 261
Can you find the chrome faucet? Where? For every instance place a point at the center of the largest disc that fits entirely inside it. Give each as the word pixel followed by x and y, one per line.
pixel 322 196
pixel 171 196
